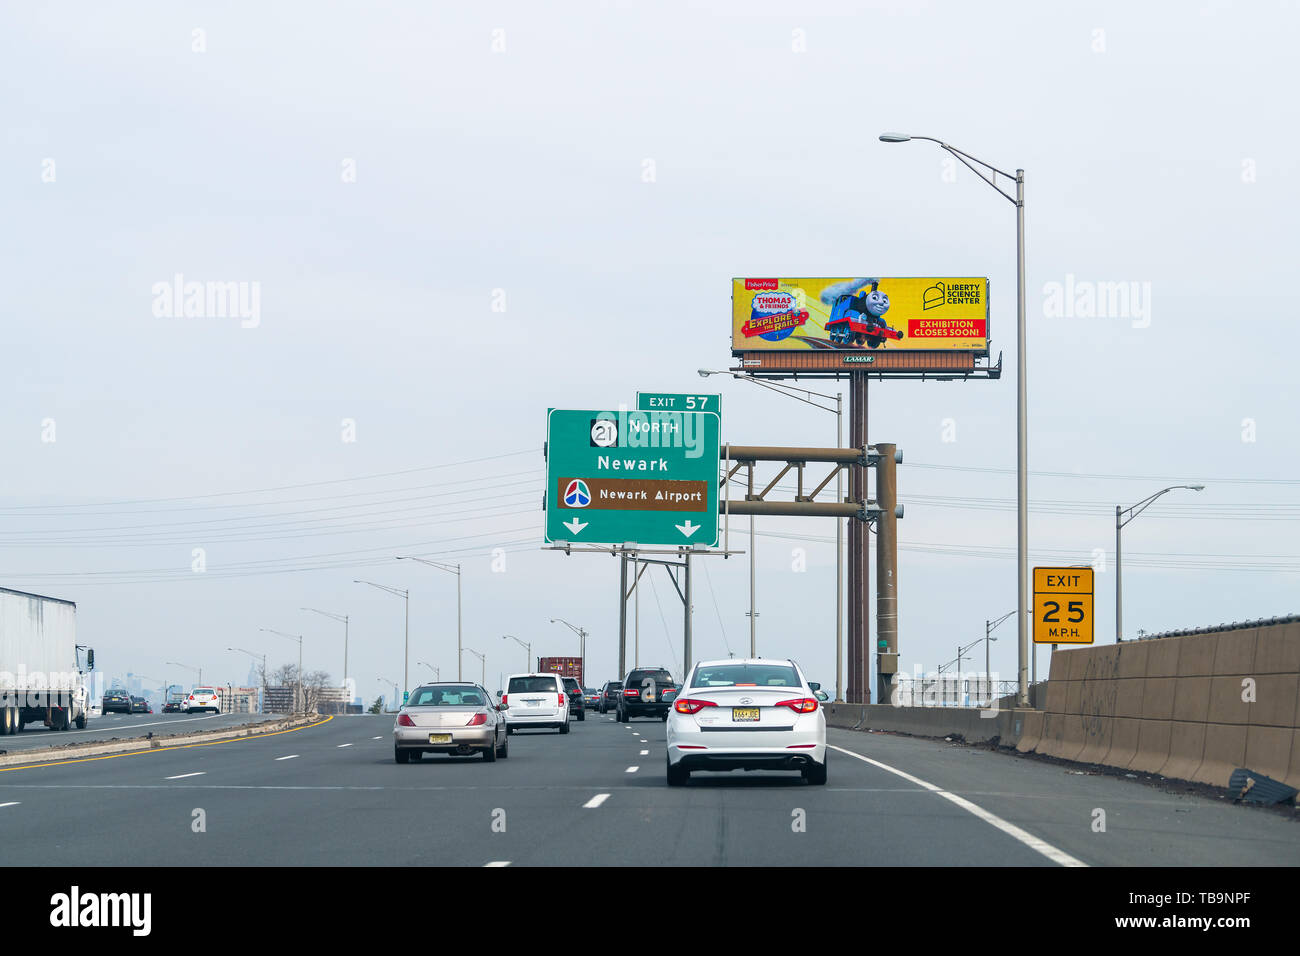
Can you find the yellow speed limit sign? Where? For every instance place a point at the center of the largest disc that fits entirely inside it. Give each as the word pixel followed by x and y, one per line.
pixel 1062 605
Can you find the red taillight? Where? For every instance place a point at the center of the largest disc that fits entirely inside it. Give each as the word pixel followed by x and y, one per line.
pixel 688 705
pixel 562 699
pixel 631 692
pixel 404 720
pixel 504 698
pixel 191 696
pixel 800 705
pixel 476 720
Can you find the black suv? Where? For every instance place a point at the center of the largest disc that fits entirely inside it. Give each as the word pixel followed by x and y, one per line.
pixel 647 692
pixel 609 695
pixel 117 700
pixel 574 690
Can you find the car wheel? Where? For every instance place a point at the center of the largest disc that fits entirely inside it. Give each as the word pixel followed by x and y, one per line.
pixel 82 720
pixel 504 750
pixel 815 774
pixel 564 727
pixel 664 717
pixel 582 715
pixel 623 717
pixel 677 775
pixel 490 753
pixel 400 755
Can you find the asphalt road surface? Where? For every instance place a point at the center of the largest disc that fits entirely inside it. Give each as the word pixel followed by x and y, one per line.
pixel 330 794
pixel 120 726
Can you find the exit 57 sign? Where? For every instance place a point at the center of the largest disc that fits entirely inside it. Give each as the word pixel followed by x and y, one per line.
pixel 1063 605
pixel 644 477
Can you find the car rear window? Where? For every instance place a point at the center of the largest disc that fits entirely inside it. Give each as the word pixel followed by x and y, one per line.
pixel 746 675
pixel 571 684
pixel 453 696
pixel 527 685
pixel 204 690
pixel 659 677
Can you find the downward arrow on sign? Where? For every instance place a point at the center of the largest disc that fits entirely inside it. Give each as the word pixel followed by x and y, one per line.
pixel 575 525
pixel 688 529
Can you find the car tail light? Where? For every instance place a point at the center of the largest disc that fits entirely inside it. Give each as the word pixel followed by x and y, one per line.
pixel 560 702
pixel 504 698
pixel 476 720
pixel 631 692
pixel 404 720
pixel 191 696
pixel 688 705
pixel 800 705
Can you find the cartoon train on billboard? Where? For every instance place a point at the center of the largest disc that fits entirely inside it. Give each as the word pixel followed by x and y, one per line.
pixel 857 318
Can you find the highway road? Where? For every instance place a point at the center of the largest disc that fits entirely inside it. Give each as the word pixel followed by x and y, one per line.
pixel 330 794
pixel 120 726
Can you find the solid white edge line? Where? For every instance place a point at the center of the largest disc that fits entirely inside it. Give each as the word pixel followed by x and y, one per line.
pixel 595 801
pixel 498 863
pixel 341 746
pixel 11 803
pixel 289 757
pixel 182 776
pixel 1057 856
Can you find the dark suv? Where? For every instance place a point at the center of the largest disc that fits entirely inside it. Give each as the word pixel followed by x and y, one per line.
pixel 609 695
pixel 118 700
pixel 574 690
pixel 647 692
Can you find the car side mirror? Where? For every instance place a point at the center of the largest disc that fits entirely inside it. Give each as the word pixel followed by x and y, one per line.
pixel 821 695
pixel 814 686
pixel 498 693
pixel 90 659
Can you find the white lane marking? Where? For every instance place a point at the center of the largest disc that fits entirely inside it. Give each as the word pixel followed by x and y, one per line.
pixel 631 769
pixel 376 738
pixel 290 757
pixel 341 746
pixel 643 740
pixel 645 753
pixel 498 863
pixel 182 776
pixel 595 801
pixel 11 803
pixel 1057 856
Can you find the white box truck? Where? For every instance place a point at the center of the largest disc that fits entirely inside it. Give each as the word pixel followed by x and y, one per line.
pixel 42 678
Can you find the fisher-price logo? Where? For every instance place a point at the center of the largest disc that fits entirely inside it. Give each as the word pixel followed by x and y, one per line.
pixel 773 315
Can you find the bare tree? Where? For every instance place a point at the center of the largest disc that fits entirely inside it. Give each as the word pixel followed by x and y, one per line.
pixel 313 682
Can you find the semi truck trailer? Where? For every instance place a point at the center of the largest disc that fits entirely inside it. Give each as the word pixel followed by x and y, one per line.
pixel 43 671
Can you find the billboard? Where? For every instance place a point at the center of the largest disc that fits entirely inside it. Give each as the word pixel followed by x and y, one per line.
pixel 860 314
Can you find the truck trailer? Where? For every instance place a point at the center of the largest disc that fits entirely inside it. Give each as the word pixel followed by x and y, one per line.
pixel 564 666
pixel 43 671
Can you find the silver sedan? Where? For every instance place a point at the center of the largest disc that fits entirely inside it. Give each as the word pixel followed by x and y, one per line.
pixel 450 718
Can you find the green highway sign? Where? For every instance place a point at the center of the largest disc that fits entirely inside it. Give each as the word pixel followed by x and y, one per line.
pixel 643 477
pixel 677 402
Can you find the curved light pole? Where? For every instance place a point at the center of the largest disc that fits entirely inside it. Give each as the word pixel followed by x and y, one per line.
pixel 1120 521
pixel 450 569
pixel 261 708
pixel 1022 431
pixel 483 662
pixel 791 391
pixel 437 674
pixel 344 619
pixel 297 697
pixel 528 651
pixel 582 645
pixel 989 628
pixel 406 595
pixel 393 683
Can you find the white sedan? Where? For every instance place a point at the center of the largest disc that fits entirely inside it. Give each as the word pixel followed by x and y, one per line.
pixel 746 715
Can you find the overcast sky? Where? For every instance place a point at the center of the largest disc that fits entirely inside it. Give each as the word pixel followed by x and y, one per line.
pixel 385 178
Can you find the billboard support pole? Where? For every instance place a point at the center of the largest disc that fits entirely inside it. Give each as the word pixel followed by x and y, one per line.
pixel 886 570
pixel 622 615
pixel 859 637
pixel 686 627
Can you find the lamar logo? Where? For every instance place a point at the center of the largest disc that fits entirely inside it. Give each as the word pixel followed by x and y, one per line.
pixel 102 909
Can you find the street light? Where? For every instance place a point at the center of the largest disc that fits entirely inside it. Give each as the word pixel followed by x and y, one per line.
pixel 791 391
pixel 344 619
pixel 528 650
pixel 261 703
pixel 1120 521
pixel 450 570
pixel 989 628
pixel 1022 431
pixel 437 674
pixel 406 595
pixel 197 670
pixel 483 662
pixel 298 695
pixel 385 680
pixel 582 644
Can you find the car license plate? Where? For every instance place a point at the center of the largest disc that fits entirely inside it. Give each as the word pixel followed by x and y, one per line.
pixel 439 738
pixel 533 703
pixel 744 713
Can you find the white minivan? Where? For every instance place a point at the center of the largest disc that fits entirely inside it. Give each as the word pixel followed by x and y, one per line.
pixel 535 700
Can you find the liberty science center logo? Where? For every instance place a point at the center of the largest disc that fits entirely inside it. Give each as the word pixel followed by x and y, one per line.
pixel 576 494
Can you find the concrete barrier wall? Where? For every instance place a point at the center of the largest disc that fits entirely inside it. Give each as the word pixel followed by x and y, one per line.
pixel 966 722
pixel 1193 707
